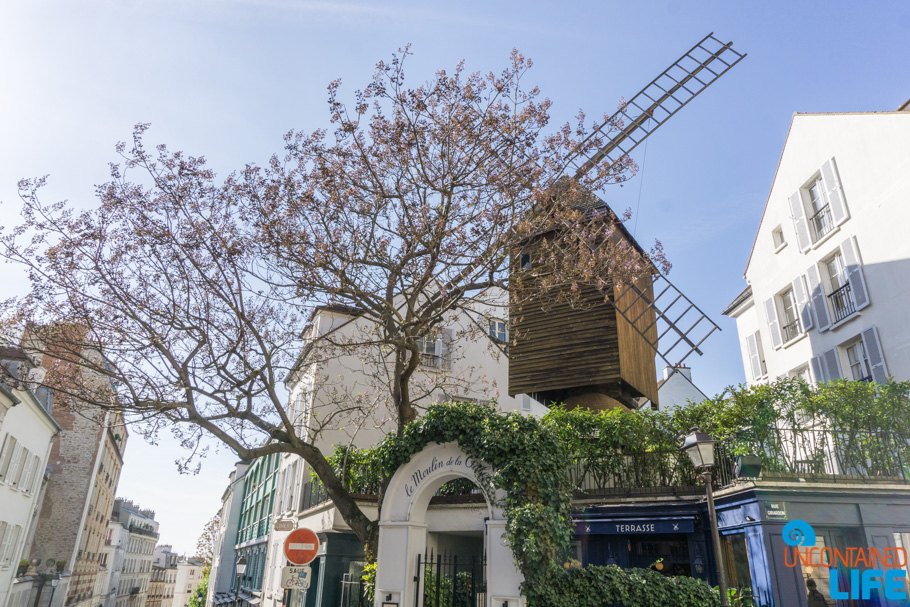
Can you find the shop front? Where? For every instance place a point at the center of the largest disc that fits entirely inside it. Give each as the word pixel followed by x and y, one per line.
pixel 668 539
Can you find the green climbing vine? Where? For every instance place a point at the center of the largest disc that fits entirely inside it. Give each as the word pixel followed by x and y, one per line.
pixel 528 461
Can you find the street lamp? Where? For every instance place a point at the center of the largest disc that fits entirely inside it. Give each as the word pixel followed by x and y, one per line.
pixel 700 449
pixel 48 575
pixel 54 582
pixel 241 569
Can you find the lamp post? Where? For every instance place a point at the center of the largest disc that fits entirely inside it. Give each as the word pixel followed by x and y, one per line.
pixel 700 449
pixel 241 569
pixel 48 575
pixel 54 581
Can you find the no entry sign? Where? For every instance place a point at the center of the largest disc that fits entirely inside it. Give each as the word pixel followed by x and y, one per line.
pixel 301 546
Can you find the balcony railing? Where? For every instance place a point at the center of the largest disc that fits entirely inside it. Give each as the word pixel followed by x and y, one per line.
pixel 433 361
pixel 786 455
pixel 791 330
pixel 842 303
pixel 839 456
pixel 641 473
pixel 143 531
pixel 822 222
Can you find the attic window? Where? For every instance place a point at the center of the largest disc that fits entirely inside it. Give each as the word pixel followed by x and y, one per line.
pixel 778 235
pixel 525 261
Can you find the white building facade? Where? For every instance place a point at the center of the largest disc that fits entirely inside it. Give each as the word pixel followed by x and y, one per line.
pixel 26 433
pixel 135 530
pixel 462 361
pixel 189 574
pixel 829 273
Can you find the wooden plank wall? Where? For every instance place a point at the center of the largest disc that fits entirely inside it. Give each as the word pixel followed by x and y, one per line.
pixel 562 347
pixel 636 356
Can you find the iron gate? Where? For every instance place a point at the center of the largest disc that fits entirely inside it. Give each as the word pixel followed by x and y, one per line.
pixel 450 581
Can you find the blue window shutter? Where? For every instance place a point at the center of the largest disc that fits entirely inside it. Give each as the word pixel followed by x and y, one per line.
pixel 858 288
pixel 874 353
pixel 798 212
pixel 819 301
pixel 835 193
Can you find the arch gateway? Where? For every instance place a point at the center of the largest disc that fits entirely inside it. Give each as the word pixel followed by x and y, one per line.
pixel 403 530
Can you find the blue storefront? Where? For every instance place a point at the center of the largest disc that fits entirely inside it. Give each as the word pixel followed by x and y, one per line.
pixel 672 535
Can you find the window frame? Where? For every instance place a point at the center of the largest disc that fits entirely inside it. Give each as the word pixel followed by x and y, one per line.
pixel 786 321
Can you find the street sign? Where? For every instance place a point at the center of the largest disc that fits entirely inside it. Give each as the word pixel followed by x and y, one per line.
pixel 295 578
pixel 301 546
pixel 285 525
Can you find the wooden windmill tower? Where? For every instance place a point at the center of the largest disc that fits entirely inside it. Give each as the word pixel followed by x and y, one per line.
pixel 601 354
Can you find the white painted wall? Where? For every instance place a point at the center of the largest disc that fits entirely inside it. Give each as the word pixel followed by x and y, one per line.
pixel 189 574
pixel 677 389
pixel 32 428
pixel 871 156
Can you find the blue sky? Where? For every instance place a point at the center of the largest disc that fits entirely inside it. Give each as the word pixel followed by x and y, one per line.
pixel 226 78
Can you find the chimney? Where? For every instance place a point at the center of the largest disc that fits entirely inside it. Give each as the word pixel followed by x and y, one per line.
pixel 680 368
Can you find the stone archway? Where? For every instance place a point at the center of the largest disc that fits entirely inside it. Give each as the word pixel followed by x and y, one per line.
pixel 403 529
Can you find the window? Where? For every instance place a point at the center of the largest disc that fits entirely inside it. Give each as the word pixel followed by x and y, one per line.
pixel 736 561
pixel 820 220
pixel 837 287
pixel 818 207
pixel 840 298
pixel 498 330
pixel 801 373
pixel 6 455
pixel 789 321
pixel 777 234
pixel 857 361
pixel 525 261
pixel 434 350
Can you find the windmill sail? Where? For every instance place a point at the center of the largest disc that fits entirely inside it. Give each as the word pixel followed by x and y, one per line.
pixel 675 327
pixel 676 86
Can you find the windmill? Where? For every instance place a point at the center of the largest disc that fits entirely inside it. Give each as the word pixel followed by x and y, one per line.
pixel 603 354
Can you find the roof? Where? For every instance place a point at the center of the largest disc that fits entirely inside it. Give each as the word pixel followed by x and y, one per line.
pixel 337 308
pixel 738 300
pixel 591 202
pixel 899 111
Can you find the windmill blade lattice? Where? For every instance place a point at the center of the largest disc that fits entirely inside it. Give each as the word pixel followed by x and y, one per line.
pixel 676 318
pixel 676 86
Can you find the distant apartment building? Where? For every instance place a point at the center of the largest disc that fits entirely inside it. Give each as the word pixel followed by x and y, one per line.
pixel 163 578
pixel 189 574
pixel 135 532
pixel 26 433
pixel 829 272
pixel 85 463
pixel 222 579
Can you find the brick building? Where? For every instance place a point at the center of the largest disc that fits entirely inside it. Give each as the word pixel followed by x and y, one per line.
pixel 85 463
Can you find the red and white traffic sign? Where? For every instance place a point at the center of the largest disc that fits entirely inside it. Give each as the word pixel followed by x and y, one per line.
pixel 301 546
